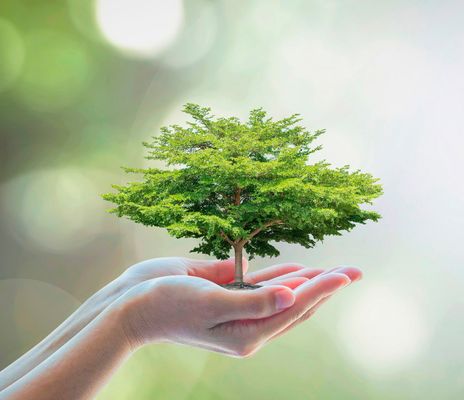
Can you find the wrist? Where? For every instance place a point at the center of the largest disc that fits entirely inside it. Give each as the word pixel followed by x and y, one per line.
pixel 111 321
pixel 129 310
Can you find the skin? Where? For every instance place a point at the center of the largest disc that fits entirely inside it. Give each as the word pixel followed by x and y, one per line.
pixel 175 300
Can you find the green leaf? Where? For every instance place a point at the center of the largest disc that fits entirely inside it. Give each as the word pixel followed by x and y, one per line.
pixel 250 182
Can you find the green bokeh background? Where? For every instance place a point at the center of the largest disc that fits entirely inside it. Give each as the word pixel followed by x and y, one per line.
pixel 384 78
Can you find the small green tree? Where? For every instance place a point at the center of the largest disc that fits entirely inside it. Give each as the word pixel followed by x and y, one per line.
pixel 243 185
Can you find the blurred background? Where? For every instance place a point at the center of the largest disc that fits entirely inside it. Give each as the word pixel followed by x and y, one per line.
pixel 83 83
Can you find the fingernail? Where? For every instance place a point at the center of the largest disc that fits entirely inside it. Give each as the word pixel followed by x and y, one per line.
pixel 284 299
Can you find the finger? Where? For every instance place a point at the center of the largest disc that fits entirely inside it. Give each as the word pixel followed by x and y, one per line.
pixel 303 318
pixel 273 271
pixel 308 273
pixel 307 296
pixel 231 305
pixel 291 283
pixel 354 273
pixel 217 271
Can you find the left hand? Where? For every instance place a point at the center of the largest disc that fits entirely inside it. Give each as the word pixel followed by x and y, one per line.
pixel 216 271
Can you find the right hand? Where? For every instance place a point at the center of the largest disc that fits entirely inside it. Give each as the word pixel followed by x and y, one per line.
pixel 197 312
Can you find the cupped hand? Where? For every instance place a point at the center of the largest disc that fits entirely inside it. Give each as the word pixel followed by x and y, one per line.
pixel 175 300
pixel 222 271
pixel 217 271
pixel 196 311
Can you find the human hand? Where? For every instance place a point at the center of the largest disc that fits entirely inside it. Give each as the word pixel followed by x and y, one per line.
pixel 172 300
pixel 195 311
pixel 217 271
pixel 213 270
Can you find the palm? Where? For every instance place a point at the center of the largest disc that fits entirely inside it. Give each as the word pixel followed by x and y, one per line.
pixel 219 272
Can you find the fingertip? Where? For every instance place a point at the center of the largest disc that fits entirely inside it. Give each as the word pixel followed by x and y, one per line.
pixel 343 279
pixel 284 298
pixel 358 275
pixel 327 282
pixel 354 273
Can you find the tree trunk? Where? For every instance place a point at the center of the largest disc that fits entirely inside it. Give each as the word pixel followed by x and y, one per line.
pixel 238 283
pixel 238 250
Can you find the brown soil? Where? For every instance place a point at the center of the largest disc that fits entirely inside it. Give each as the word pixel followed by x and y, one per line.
pixel 240 286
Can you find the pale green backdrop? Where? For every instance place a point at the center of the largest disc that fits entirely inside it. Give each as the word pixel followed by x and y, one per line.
pixel 83 82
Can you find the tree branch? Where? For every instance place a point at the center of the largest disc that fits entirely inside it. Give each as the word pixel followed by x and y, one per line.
pixel 266 225
pixel 226 238
pixel 237 198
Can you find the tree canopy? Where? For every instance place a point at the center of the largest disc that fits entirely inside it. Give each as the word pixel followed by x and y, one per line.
pixel 235 184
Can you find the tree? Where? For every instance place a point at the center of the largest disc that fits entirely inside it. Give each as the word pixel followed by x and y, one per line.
pixel 243 185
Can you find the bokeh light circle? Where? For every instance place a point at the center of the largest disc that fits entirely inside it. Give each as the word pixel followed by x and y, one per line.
pixel 140 28
pixel 56 210
pixel 11 54
pixel 56 70
pixel 196 39
pixel 383 329
pixel 82 14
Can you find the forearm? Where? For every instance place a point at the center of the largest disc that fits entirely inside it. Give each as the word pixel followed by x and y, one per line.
pixel 63 333
pixel 80 367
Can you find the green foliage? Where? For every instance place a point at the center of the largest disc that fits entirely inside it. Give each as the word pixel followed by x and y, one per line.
pixel 244 184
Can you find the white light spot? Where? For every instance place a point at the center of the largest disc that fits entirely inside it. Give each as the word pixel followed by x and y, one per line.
pixel 196 39
pixel 383 329
pixel 54 209
pixel 140 27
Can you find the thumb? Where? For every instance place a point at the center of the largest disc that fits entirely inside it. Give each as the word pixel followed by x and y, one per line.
pixel 253 304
